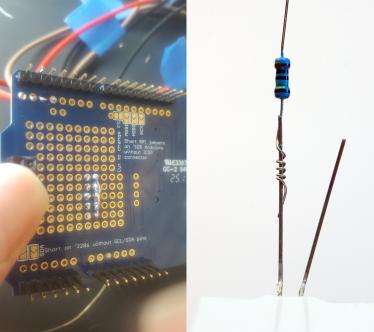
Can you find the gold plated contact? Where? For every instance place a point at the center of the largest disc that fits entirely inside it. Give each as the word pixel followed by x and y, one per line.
pixel 54 264
pixel 29 135
pixel 102 106
pixel 53 99
pixel 60 228
pixel 64 262
pixel 23 268
pixel 69 227
pixel 89 104
pixel 34 267
pixel 30 146
pixel 44 266
pixel 73 261
pixel 80 103
pixel 29 125
pixel 91 258
pixel 53 111
pixel 62 101
pixel 71 102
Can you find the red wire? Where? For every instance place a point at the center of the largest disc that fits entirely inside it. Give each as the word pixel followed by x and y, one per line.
pixel 67 40
pixel 4 95
pixel 71 37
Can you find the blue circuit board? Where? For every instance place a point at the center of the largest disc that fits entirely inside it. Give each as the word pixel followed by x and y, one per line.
pixel 113 160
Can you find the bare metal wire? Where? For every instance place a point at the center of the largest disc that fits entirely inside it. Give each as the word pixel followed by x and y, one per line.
pixel 281 170
pixel 284 26
pixel 81 313
pixel 321 219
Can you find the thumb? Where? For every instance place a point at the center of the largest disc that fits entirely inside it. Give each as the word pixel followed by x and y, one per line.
pixel 165 311
pixel 23 201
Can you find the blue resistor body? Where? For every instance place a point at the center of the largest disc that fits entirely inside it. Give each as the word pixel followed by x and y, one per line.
pixel 282 90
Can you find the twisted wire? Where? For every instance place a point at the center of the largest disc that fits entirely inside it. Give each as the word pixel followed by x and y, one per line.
pixel 281 169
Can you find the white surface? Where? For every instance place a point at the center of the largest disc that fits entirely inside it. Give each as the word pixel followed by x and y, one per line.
pixel 287 314
pixel 232 117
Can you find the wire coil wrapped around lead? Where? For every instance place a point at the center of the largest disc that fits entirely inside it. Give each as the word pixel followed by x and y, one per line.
pixel 281 170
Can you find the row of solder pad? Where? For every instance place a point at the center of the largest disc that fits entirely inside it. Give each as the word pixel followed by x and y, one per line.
pixel 65 263
pixel 130 114
pixel 91 105
pixel 134 117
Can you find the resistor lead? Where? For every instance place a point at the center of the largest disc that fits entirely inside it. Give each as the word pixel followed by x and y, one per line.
pixel 282 89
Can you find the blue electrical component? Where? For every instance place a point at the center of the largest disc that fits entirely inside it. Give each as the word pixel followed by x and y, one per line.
pixel 282 89
pixel 173 64
pixel 93 38
pixel 112 158
pixel 114 4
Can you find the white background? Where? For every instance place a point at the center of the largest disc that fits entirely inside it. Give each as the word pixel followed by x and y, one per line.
pixel 232 117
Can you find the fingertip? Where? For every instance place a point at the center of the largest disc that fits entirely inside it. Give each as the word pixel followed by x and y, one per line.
pixel 23 202
pixel 165 311
pixel 24 181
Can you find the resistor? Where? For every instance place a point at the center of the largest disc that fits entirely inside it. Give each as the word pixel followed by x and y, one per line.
pixel 282 90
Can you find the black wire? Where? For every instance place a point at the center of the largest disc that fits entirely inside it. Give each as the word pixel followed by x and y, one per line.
pixel 157 11
pixel 142 17
pixel 77 49
pixel 148 36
